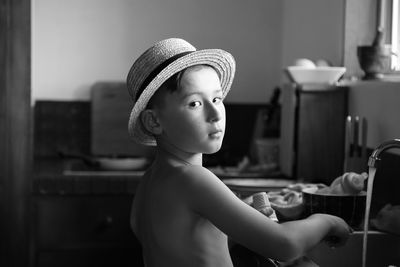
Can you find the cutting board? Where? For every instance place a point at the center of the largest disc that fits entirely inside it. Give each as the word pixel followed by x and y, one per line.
pixel 110 109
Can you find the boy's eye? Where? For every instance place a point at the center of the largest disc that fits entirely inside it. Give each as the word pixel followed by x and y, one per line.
pixel 217 99
pixel 194 104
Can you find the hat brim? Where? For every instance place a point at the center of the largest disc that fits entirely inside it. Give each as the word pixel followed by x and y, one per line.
pixel 222 61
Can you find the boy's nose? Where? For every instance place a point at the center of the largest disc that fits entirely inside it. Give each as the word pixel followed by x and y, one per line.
pixel 215 112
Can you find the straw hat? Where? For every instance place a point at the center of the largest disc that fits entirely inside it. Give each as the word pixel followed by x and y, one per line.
pixel 160 62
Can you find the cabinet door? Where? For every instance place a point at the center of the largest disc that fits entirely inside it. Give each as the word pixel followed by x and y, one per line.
pixel 85 231
pixel 321 119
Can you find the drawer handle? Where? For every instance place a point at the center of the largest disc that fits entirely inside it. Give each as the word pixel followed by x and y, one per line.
pixel 106 223
pixel 109 220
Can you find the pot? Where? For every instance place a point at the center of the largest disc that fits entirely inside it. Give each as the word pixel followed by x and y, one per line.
pixel 350 208
pixel 374 60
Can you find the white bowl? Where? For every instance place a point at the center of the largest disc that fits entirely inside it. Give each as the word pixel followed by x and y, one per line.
pixel 318 75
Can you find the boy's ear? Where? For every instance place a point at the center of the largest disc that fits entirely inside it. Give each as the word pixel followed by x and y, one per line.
pixel 150 121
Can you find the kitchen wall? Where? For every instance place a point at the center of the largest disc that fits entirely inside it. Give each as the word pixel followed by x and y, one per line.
pixel 378 102
pixel 313 29
pixel 78 42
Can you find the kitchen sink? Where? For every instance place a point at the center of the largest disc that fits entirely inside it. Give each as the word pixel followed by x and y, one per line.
pixel 382 250
pixel 79 168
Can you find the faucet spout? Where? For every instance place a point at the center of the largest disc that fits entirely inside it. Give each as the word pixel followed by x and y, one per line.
pixel 374 158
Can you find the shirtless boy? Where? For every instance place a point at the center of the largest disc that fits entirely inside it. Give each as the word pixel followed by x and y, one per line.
pixel 182 213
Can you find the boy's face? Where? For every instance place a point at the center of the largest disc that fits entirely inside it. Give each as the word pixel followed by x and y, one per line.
pixel 193 117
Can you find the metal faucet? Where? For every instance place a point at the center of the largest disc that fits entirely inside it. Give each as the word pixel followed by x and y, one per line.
pixel 374 158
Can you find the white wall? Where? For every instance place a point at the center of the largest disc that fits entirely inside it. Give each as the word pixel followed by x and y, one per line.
pixel 378 102
pixel 313 29
pixel 78 42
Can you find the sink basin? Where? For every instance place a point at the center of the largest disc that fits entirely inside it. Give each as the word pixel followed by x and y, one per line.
pixel 77 168
pixel 383 250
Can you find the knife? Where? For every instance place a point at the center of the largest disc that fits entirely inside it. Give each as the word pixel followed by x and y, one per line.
pixel 348 151
pixel 356 132
pixel 364 130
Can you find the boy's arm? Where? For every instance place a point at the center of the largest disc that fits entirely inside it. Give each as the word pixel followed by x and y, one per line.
pixel 209 197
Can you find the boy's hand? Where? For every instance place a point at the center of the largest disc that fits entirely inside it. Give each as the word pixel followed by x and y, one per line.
pixel 339 233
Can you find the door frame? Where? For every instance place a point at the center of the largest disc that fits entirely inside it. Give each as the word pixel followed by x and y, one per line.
pixel 15 131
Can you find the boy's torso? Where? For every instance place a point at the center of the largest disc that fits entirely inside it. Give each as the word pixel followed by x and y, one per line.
pixel 171 233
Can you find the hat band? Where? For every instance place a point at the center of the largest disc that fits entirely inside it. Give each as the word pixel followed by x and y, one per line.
pixel 157 70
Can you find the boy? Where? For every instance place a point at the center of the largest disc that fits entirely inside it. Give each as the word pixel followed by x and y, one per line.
pixel 182 213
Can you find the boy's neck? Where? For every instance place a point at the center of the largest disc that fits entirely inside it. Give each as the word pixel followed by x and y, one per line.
pixel 180 157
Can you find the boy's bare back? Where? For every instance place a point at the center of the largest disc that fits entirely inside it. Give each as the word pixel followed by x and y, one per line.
pixel 173 234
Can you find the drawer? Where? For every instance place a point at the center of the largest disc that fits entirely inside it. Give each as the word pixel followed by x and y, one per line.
pixel 83 221
pixel 110 257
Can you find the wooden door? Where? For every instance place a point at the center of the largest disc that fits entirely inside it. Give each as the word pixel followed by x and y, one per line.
pixel 321 118
pixel 15 131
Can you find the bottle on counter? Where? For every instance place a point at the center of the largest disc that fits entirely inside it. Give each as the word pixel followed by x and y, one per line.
pixel 261 201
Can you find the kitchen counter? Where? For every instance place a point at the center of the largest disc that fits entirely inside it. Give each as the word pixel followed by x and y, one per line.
pixel 57 177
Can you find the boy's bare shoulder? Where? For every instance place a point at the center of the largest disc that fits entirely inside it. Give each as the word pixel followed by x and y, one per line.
pixel 195 174
pixel 191 178
pixel 198 182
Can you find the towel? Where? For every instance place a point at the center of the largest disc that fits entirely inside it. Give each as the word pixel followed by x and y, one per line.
pixel 388 219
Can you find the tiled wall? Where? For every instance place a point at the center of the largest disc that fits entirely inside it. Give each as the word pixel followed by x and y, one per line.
pixel 64 127
pixel 61 127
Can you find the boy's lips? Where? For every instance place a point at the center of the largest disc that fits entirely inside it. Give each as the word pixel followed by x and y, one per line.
pixel 216 134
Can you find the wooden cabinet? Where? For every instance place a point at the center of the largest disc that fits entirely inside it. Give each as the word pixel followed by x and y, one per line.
pixel 320 137
pixel 84 230
pixel 312 132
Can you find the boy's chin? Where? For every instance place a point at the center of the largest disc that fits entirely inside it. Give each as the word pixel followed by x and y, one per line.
pixel 214 149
